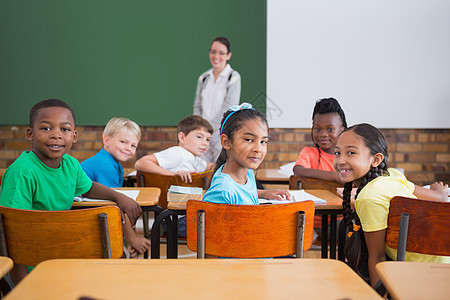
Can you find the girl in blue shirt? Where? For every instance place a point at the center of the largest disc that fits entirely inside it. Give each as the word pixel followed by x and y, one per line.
pixel 244 135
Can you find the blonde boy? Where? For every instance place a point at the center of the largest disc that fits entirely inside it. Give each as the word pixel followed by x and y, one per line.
pixel 194 134
pixel 120 140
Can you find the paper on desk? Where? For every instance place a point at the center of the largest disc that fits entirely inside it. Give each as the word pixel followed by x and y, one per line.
pixel 297 196
pixel 132 173
pixel 287 169
pixel 133 194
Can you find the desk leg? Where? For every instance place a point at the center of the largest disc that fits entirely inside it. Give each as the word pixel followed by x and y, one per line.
pixel 172 238
pixel 324 236
pixel 155 238
pixel 333 233
pixel 145 223
pixel 156 210
pixel 172 233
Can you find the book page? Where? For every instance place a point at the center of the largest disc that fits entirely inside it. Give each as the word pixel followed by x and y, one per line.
pixel 185 190
pixel 133 194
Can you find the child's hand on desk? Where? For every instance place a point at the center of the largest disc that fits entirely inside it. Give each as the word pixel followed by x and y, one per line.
pixel 277 194
pixel 210 166
pixel 185 176
pixel 441 188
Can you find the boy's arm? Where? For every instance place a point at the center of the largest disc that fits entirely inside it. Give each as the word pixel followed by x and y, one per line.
pixel 150 164
pixel 125 203
pixel 140 244
pixel 318 174
pixel 18 273
pixel 210 166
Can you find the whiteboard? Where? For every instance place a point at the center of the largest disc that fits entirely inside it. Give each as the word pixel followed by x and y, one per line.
pixel 387 62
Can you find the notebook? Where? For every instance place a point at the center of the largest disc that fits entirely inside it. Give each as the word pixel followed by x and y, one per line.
pixel 297 196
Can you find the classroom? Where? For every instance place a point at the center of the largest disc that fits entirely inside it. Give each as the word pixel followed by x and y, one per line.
pixel 386 63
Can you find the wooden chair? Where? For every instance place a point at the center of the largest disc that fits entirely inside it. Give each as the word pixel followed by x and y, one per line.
pixel 163 182
pixel 249 231
pixel 322 221
pixel 29 237
pixel 416 225
pixel 426 232
pixel 299 182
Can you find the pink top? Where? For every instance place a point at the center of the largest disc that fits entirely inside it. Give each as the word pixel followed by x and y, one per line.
pixel 309 158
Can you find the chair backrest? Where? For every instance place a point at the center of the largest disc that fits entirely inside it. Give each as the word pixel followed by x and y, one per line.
pixel 428 229
pixel 163 182
pixel 249 231
pixel 299 182
pixel 30 236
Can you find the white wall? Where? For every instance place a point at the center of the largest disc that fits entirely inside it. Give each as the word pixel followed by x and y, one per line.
pixel 386 61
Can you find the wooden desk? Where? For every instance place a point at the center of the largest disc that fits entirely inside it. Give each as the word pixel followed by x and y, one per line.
pixel 271 176
pixel 413 280
pixel 193 279
pixel 147 199
pixel 148 196
pixel 6 265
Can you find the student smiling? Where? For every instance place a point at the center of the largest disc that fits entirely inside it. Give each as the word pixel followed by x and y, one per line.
pixel 361 159
pixel 47 178
pixel 244 137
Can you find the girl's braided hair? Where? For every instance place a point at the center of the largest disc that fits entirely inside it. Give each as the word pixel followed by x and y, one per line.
pixel 327 106
pixel 355 247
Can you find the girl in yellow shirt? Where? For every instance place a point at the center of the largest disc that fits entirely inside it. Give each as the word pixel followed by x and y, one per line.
pixel 361 160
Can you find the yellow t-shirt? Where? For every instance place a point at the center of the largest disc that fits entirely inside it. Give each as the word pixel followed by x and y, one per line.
pixel 372 207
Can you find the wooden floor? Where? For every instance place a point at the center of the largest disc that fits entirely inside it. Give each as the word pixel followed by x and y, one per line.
pixel 184 252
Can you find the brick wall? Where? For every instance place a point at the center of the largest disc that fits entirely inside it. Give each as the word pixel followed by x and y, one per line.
pixel 423 153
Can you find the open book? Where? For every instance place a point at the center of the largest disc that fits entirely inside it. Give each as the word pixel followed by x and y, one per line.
pixel 184 193
pixel 133 194
pixel 297 196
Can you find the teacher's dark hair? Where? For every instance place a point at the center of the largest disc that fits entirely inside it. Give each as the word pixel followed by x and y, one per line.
pixel 224 41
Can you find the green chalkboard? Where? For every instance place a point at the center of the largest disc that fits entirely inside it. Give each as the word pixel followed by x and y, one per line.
pixel 131 58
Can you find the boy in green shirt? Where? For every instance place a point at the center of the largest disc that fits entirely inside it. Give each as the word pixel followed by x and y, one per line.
pixel 47 178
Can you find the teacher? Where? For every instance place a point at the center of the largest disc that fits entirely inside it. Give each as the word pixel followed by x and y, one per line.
pixel 218 89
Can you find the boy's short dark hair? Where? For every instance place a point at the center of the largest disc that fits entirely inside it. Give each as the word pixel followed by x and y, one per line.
pixel 193 122
pixel 48 103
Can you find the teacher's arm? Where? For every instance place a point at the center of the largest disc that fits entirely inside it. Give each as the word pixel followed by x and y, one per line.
pixel 198 101
pixel 234 92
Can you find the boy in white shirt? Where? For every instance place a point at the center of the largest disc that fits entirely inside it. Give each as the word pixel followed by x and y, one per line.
pixel 194 134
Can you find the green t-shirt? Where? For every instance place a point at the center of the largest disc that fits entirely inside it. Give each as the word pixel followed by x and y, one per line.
pixel 29 184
